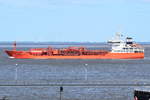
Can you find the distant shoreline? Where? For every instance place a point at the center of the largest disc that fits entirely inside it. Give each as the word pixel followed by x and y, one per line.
pixel 62 43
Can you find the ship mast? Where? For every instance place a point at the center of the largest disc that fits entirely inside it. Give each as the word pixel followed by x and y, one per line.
pixel 118 36
pixel 14 46
pixel 116 39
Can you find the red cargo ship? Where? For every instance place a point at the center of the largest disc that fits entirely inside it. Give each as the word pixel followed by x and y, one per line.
pixel 120 50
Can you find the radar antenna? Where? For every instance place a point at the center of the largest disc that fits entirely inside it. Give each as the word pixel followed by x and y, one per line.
pixel 118 36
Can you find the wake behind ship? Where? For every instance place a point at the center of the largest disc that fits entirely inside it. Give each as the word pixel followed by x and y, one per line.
pixel 121 49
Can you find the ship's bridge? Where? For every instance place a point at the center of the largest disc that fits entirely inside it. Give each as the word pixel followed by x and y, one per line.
pixel 127 46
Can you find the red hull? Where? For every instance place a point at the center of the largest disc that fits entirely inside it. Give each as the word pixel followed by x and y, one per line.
pixel 108 55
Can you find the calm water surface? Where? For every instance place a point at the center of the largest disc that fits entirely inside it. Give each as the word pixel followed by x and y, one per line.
pixel 27 79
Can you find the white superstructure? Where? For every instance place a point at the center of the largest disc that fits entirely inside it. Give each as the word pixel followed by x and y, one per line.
pixel 124 46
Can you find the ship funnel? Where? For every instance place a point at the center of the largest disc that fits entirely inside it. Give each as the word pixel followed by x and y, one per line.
pixel 129 40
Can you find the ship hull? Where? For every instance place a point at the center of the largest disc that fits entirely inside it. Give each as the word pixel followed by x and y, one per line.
pixel 109 55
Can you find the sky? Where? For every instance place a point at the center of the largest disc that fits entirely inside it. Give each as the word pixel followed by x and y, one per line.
pixel 74 20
